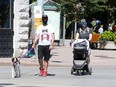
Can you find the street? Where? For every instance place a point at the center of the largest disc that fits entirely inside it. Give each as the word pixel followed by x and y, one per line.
pixel 103 63
pixel 58 77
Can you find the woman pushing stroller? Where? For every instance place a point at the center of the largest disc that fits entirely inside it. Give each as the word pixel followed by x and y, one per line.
pixel 81 49
pixel 84 33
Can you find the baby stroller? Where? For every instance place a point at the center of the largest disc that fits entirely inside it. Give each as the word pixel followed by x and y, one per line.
pixel 80 57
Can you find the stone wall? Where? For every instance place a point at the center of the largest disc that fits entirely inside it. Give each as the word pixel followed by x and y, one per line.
pixel 21 27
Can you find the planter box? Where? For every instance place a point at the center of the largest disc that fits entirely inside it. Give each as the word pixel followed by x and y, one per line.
pixel 107 45
pixel 95 38
pixel 94 41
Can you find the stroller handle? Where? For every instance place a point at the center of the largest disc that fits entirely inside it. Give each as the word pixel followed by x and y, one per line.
pixel 79 41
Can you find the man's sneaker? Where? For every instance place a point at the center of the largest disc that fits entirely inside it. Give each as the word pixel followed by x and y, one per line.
pixel 45 73
pixel 41 72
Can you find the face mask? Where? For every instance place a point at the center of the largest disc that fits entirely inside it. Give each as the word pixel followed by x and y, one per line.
pixel 83 27
pixel 44 21
pixel 84 24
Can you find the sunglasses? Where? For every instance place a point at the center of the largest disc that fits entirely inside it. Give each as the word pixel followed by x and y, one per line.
pixel 44 18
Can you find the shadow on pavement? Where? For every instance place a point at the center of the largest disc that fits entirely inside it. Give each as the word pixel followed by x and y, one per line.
pixel 5 84
pixel 106 57
pixel 47 74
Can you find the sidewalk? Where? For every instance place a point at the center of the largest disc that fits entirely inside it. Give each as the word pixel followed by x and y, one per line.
pixel 57 57
pixel 63 56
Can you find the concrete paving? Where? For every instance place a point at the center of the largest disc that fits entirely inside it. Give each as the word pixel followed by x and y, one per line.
pixel 58 77
pixel 103 63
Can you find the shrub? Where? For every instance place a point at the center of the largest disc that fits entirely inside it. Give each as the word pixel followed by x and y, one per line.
pixel 108 36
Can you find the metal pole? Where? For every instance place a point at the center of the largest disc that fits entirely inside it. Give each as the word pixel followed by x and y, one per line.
pixel 75 30
pixel 64 21
pixel 71 37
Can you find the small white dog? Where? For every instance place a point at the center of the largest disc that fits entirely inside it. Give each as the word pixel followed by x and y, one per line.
pixel 16 72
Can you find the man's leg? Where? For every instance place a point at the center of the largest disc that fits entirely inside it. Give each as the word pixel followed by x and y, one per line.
pixel 45 68
pixel 40 60
pixel 45 65
pixel 46 60
pixel 41 67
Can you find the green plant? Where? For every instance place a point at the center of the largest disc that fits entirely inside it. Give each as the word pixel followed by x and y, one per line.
pixel 108 36
pixel 114 37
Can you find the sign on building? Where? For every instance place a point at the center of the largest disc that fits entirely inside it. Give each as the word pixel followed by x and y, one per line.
pixel 37 16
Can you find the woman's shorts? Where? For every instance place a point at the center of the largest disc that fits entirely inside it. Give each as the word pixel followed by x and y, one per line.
pixel 44 52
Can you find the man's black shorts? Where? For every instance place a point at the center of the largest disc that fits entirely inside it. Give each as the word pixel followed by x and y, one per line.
pixel 44 52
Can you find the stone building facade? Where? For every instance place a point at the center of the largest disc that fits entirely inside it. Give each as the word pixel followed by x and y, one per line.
pixel 22 23
pixel 21 26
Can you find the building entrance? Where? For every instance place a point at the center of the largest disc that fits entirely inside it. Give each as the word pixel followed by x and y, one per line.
pixel 6 28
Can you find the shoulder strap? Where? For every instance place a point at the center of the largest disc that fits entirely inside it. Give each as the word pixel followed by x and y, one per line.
pixel 89 30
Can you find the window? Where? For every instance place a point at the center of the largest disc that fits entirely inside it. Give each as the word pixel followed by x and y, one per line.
pixel 5 14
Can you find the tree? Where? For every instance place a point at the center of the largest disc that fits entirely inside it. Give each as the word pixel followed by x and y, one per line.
pixel 95 9
pixel 31 1
pixel 69 7
pixel 112 6
pixel 100 9
pixel 92 8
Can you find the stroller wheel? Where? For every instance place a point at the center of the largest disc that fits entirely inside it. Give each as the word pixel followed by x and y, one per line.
pixel 79 72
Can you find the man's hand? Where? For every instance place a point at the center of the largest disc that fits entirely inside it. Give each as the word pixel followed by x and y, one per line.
pixel 51 47
pixel 33 46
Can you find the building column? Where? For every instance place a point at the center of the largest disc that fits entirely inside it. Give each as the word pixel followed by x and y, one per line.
pixel 21 27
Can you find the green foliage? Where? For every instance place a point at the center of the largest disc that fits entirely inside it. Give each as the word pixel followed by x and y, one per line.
pixel 31 1
pixel 68 7
pixel 93 6
pixel 114 37
pixel 108 36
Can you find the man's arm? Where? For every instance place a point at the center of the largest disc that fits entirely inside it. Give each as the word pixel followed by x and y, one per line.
pixel 52 40
pixel 53 37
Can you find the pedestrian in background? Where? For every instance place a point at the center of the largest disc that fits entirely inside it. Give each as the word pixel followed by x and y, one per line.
pixel 45 34
pixel 100 30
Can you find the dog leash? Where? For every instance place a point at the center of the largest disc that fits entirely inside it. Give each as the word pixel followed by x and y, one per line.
pixel 26 53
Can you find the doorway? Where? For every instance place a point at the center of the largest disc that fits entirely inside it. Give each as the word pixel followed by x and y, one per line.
pixel 6 28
